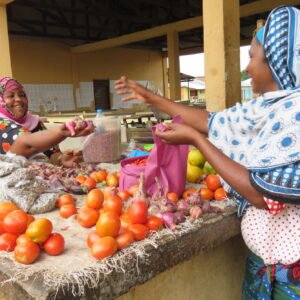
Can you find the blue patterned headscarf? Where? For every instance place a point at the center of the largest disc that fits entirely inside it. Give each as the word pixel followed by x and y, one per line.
pixel 280 38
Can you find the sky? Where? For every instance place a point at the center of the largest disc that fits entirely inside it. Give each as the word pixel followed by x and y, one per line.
pixel 194 64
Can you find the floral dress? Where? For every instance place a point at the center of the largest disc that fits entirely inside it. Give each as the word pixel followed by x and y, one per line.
pixel 9 132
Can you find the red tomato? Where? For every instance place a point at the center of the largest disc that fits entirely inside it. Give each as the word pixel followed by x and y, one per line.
pixel 30 219
pixel 125 221
pixel 80 178
pixel 94 199
pixel 113 204
pixel 154 223
pixel 66 211
pixel 108 224
pixel 39 230
pixel 124 240
pixel 27 253
pixel 213 182
pixel 92 237
pixel 6 208
pixel 2 230
pixel 104 247
pixel 172 196
pixel 8 241
pixel 89 183
pixel 139 231
pixel 112 180
pixel 55 244
pixel 15 222
pixel 22 239
pixel 101 175
pixel 206 194
pixel 64 199
pixel 133 189
pixel 125 195
pixel 220 194
pixel 87 217
pixel 109 191
pixel 138 212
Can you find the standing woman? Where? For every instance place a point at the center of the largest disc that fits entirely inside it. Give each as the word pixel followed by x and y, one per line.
pixel 255 147
pixel 24 134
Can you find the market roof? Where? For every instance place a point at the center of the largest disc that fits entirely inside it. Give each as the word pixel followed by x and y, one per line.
pixel 86 21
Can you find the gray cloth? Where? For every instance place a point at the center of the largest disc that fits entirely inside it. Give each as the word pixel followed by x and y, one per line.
pixel 19 184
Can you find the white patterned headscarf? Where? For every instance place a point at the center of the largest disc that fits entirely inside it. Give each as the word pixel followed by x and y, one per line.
pixel 264 134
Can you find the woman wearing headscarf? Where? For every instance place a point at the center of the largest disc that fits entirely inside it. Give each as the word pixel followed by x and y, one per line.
pixel 24 134
pixel 255 147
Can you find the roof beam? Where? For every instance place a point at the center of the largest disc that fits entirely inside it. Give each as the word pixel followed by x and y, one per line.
pixel 191 23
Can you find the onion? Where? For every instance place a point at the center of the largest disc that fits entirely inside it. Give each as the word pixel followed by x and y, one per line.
pixel 180 216
pixel 170 206
pixel 183 206
pixel 206 207
pixel 169 219
pixel 196 212
pixel 153 210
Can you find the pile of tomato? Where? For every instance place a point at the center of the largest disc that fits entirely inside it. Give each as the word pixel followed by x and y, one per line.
pixel 113 227
pixel 214 189
pixel 26 236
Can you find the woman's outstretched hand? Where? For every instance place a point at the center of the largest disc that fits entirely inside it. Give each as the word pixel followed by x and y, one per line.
pixel 71 158
pixel 77 127
pixel 125 86
pixel 178 134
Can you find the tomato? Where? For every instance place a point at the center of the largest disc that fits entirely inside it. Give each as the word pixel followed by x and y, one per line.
pixel 2 230
pixel 64 199
pixel 213 182
pixel 206 194
pixel 92 237
pixel 125 221
pixel 94 199
pixel 55 244
pixel 94 175
pixel 109 191
pixel 124 240
pixel 112 180
pixel 113 204
pixel 27 253
pixel 138 212
pixel 133 189
pixel 30 219
pixel 87 217
pixel 89 183
pixel 66 211
pixel 8 241
pixel 172 196
pixel 125 195
pixel 102 174
pixel 154 223
pixel 22 239
pixel 139 231
pixel 6 208
pixel 220 194
pixel 39 230
pixel 80 179
pixel 15 222
pixel 108 224
pixel 187 193
pixel 104 247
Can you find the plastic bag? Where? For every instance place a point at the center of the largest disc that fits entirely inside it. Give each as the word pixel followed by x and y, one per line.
pixel 166 162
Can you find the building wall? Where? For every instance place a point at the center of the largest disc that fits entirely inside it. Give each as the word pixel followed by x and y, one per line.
pixel 36 62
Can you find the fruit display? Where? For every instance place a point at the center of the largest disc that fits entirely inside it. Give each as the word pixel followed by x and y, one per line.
pixel 26 236
pixel 197 167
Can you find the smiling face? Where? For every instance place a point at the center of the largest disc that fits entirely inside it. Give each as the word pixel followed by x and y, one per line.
pixel 16 102
pixel 259 70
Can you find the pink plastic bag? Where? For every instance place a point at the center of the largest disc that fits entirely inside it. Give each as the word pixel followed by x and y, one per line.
pixel 166 162
pixel 130 173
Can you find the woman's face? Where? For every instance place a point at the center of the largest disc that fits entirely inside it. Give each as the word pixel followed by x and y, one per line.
pixel 16 102
pixel 259 70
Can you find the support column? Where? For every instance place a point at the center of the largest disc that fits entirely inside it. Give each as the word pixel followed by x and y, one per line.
pixel 222 53
pixel 5 62
pixel 174 68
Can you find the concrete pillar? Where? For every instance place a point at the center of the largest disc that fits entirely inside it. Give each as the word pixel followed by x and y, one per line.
pixel 174 68
pixel 5 62
pixel 221 50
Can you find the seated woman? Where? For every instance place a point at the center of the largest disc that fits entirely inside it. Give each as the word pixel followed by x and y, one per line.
pixel 24 134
